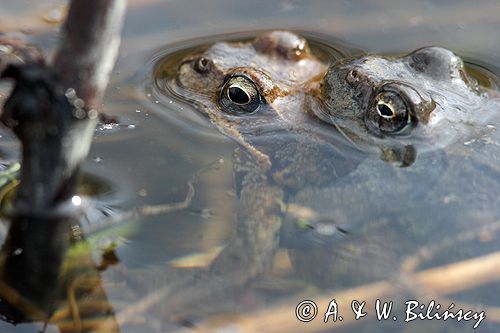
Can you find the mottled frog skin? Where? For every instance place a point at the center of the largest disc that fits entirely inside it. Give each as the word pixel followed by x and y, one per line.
pixel 311 172
pixel 256 93
pixel 423 112
pixel 418 102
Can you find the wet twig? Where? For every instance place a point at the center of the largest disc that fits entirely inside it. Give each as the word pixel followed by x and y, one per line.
pixel 437 281
pixel 52 110
pixel 148 210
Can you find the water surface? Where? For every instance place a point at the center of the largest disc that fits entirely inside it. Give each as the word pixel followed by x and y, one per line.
pixel 164 142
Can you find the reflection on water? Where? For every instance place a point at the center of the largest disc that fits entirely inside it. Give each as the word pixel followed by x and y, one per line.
pixel 450 216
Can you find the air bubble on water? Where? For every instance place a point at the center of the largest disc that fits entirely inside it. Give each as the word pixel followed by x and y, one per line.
pixel 104 127
pixel 466 143
pixel 79 113
pixel 326 229
pixel 70 93
pixel 92 114
pixel 17 251
pixel 79 103
pixel 76 200
pixel 131 126
pixel 206 213
pixel 55 15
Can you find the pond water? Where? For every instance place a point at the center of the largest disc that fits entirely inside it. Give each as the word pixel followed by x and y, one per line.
pixel 163 142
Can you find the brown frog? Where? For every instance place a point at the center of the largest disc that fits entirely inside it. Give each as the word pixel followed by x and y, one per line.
pixel 426 112
pixel 249 89
pixel 397 105
pixel 309 174
pixel 254 92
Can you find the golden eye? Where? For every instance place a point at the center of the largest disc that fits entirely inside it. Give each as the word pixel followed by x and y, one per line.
pixel 240 95
pixel 388 112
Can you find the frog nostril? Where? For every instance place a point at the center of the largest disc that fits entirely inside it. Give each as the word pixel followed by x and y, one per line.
pixel 201 65
pixel 352 77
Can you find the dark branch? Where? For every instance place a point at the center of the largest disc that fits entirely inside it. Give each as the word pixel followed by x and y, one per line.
pixel 52 110
pixel 89 47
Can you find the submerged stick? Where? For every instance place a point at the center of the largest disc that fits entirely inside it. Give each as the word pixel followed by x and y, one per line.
pixel 89 48
pixel 437 281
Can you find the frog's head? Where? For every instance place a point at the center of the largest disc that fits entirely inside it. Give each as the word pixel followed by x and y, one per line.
pixel 397 105
pixel 245 88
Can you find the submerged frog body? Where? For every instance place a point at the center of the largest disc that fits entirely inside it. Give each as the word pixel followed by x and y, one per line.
pixel 306 171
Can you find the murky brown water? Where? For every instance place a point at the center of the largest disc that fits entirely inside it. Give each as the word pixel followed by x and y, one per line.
pixel 163 142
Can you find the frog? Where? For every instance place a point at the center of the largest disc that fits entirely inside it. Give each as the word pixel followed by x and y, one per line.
pixel 428 126
pixel 316 172
pixel 254 91
pixel 397 105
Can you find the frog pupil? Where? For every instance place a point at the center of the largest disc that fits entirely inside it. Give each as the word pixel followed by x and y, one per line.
pixel 238 95
pixel 384 110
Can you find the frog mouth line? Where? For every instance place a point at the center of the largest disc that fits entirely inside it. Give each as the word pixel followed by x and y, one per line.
pixel 316 110
pixel 342 132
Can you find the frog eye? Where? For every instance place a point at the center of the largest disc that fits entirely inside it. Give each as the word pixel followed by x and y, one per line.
pixel 388 113
pixel 240 95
